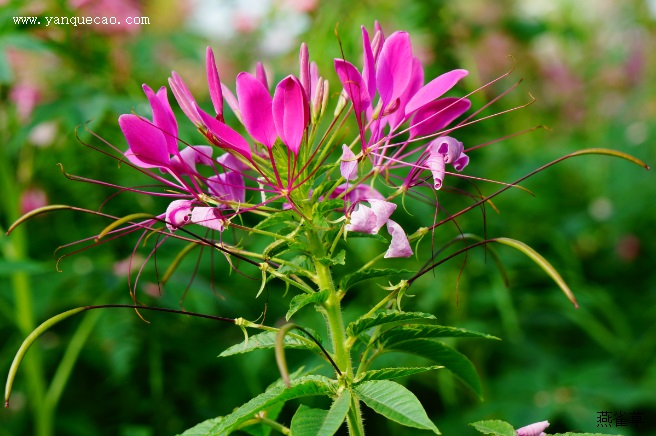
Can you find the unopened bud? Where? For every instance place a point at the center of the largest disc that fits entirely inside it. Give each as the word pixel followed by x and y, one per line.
pixel 377 44
pixel 341 103
pixel 317 100
pixel 304 76
pixel 324 101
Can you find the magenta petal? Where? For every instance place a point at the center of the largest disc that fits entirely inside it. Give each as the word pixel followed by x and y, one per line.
pixel 290 112
pixel 434 89
pixel 177 214
pixel 209 217
pixel 214 83
pixel 224 136
pixel 255 105
pixel 185 99
pixel 353 85
pixel 148 147
pixel 369 67
pixel 399 247
pixel 436 115
pixel 363 220
pixel 348 165
pixel 260 74
pixel 416 82
pixel 357 193
pixel 228 186
pixel 162 118
pixel 535 429
pixel 394 67
pixel 231 163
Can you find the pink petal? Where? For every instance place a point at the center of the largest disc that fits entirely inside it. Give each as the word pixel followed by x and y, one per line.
pixel 434 89
pixel 177 214
pixel 148 146
pixel 186 162
pixel 231 100
pixel 255 106
pixel 224 136
pixel 314 79
pixel 163 117
pixel 231 163
pixel 214 83
pixel 535 429
pixel 450 147
pixel 460 163
pixel 394 67
pixel 399 247
pixel 416 82
pixel 358 193
pixel 348 165
pixel 261 75
pixel 436 164
pixel 363 220
pixel 436 115
pixel 228 186
pixel 185 99
pixel 209 217
pixel 383 210
pixel 291 112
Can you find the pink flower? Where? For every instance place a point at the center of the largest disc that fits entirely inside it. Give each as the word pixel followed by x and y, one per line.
pixel 536 429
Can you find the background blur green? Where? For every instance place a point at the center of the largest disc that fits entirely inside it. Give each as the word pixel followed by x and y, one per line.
pixel 591 67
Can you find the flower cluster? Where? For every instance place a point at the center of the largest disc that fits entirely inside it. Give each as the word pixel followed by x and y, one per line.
pixel 281 162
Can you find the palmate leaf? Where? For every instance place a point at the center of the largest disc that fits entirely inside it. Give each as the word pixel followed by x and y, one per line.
pixel 267 340
pixel 390 373
pixel 494 427
pixel 363 324
pixel 351 279
pixel 302 300
pixel 400 334
pixel 394 402
pixel 302 387
pixel 444 355
pixel 319 422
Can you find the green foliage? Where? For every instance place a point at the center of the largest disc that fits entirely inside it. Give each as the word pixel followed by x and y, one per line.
pixel 267 340
pixel 494 427
pixel 310 422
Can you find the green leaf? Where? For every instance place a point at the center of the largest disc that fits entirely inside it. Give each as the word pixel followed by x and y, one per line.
pixel 204 428
pixel 267 340
pixel 494 427
pixel 319 422
pixel 283 217
pixel 338 259
pixel 444 355
pixel 351 279
pixel 390 373
pixel 394 402
pixel 303 387
pixel 302 300
pixel 364 323
pixel 400 334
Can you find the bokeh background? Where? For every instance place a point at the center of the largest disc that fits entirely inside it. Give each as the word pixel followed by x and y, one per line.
pixel 590 66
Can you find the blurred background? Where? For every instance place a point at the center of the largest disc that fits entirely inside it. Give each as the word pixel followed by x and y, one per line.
pixel 591 68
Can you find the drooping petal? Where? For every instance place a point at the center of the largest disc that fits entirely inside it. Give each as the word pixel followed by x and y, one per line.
pixel 255 105
pixel 399 247
pixel 536 429
pixel 177 214
pixel 357 193
pixel 436 115
pixel 209 217
pixel 363 220
pixel 214 83
pixel 436 164
pixel 368 66
pixel 222 135
pixel 291 112
pixel 460 163
pixel 394 68
pixel 348 165
pixel 163 118
pixel 147 144
pixel 228 186
pixel 383 210
pixel 434 89
pixel 230 163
